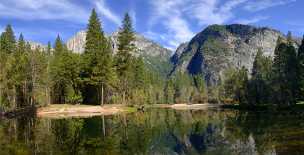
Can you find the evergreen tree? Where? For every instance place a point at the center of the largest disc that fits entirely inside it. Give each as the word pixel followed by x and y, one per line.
pixel 59 82
pixel 59 46
pixel 284 81
pixel 8 41
pixel 236 86
pixel 7 47
pixel 98 72
pixel 124 55
pixel 19 72
pixel 301 71
pixel 169 91
pixel 49 49
pixel 259 85
pixel 291 70
pixel 140 79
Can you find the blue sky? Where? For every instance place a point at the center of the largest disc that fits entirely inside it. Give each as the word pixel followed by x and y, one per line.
pixel 168 22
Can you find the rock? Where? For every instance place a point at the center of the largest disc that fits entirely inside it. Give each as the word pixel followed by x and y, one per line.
pixel 174 59
pixel 35 45
pixel 220 47
pixel 154 55
pixel 77 42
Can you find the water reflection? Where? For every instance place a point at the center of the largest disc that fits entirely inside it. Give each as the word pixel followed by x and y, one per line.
pixel 157 131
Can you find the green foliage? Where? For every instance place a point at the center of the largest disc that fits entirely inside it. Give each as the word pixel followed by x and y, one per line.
pixel 272 82
pixel 284 74
pixel 124 56
pixel 260 83
pixel 42 76
pixel 97 64
pixel 235 85
pixel 300 95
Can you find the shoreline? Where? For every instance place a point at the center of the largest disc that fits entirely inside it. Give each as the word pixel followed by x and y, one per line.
pixel 66 110
pixel 185 106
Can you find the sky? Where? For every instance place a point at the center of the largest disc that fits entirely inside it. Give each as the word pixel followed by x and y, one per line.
pixel 167 22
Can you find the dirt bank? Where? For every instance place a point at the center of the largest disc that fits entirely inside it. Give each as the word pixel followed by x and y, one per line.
pixel 65 110
pixel 187 106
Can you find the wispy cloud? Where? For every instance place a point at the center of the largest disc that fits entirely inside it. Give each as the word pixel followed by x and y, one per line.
pixel 252 20
pixel 169 14
pixel 105 11
pixel 259 5
pixel 213 11
pixel 175 15
pixel 43 10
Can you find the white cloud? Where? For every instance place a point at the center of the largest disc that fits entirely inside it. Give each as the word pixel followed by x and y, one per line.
pixel 105 11
pixel 252 20
pixel 175 15
pixel 168 13
pixel 213 11
pixel 259 5
pixel 43 10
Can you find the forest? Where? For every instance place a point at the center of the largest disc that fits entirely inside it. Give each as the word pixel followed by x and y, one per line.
pixel 55 75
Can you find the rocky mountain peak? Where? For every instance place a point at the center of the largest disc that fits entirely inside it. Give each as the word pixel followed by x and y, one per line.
pixel 77 42
pixel 219 47
pixel 153 54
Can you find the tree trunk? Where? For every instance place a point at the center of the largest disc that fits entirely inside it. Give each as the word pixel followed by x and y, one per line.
pixel 103 126
pixel 102 95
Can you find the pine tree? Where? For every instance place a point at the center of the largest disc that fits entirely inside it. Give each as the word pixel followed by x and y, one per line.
pixel 259 91
pixel 7 48
pixel 301 71
pixel 59 46
pixel 49 49
pixel 284 74
pixel 291 69
pixel 58 82
pixel 8 41
pixel 98 72
pixel 124 55
pixel 19 63
pixel 140 79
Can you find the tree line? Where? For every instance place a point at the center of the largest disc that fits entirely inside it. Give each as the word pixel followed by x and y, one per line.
pixel 56 75
pixel 100 75
pixel 273 81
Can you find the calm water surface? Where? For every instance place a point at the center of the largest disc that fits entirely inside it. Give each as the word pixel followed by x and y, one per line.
pixel 157 131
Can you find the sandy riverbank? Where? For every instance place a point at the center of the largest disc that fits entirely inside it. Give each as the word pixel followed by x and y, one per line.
pixel 187 106
pixel 65 110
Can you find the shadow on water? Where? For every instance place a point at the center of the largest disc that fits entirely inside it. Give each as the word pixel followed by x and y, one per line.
pixel 157 131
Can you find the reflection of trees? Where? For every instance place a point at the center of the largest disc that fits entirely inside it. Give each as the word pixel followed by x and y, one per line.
pixel 16 136
pixel 269 131
pixel 68 135
pixel 160 131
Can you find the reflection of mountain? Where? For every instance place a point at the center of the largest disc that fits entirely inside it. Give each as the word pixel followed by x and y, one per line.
pixel 156 132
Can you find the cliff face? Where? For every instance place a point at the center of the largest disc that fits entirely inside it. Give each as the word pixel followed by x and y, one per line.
pixel 154 55
pixel 77 42
pixel 35 45
pixel 220 47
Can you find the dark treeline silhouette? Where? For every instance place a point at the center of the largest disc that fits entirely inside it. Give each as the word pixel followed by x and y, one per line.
pixel 277 81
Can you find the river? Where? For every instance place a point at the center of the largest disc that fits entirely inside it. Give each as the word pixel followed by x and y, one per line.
pixel 157 131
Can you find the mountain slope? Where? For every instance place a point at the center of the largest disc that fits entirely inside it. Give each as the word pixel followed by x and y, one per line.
pixel 155 56
pixel 220 47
